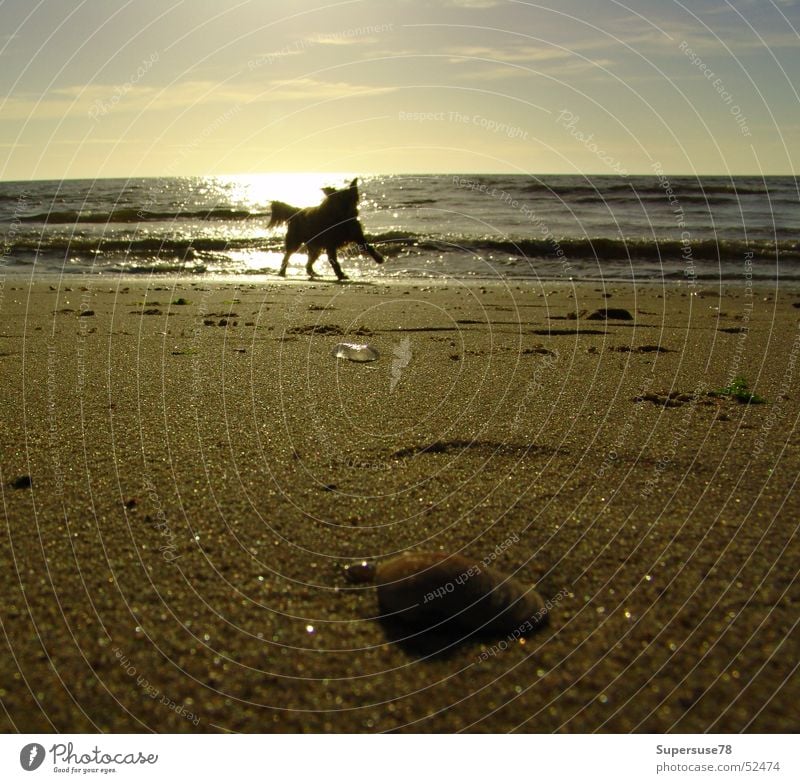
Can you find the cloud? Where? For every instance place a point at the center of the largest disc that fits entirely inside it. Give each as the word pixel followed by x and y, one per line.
pixel 98 101
pixel 305 88
pixel 518 54
pixel 475 3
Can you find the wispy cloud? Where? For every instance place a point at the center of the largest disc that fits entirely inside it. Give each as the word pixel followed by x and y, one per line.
pixel 475 3
pixel 304 88
pixel 79 100
pixel 518 54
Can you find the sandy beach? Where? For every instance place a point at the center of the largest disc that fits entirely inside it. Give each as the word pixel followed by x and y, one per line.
pixel 201 469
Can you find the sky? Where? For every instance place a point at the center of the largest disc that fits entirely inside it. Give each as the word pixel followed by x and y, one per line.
pixel 127 88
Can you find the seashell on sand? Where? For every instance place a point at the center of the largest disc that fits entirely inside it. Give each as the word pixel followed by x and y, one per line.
pixel 428 589
pixel 355 352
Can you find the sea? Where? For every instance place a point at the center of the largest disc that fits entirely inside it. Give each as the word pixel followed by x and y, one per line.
pixel 658 228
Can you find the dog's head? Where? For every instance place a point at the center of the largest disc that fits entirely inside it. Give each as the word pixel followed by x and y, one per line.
pixel 344 201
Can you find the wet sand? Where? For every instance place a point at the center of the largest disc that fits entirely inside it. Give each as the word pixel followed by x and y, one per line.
pixel 201 472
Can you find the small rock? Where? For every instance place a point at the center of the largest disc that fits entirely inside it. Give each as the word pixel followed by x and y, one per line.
pixel 425 590
pixel 610 314
pixel 22 482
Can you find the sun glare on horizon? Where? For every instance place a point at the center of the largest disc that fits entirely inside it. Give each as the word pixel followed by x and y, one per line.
pixel 301 189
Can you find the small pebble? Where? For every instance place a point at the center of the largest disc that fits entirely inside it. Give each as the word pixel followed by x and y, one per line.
pixel 22 482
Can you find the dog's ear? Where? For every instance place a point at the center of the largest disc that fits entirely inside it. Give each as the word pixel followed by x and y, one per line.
pixel 329 191
pixel 354 183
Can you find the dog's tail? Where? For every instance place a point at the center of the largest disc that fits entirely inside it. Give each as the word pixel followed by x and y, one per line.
pixel 281 213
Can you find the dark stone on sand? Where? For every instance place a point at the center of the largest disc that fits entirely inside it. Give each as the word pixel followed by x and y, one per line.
pixel 566 332
pixel 22 482
pixel 640 349
pixel 610 314
pixel 424 590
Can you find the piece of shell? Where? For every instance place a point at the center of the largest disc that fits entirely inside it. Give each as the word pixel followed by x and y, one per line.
pixel 355 352
pixel 428 589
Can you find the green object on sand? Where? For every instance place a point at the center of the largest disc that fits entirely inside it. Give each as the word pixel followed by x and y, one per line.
pixel 739 390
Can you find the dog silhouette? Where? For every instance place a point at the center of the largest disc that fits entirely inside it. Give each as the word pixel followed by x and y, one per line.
pixel 329 226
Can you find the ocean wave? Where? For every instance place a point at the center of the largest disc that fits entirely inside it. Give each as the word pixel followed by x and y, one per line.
pixel 138 216
pixel 643 189
pixel 394 243
pixel 607 248
pixel 144 247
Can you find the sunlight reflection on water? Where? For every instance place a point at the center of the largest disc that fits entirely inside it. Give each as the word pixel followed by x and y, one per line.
pixel 255 191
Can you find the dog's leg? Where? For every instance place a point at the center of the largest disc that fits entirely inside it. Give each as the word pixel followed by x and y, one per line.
pixel 313 255
pixel 285 262
pixel 361 241
pixel 374 254
pixel 331 252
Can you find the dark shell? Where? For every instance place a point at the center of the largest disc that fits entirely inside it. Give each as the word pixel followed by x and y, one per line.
pixel 429 589
pixel 359 573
